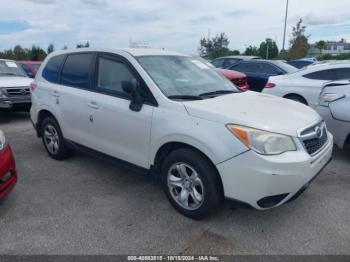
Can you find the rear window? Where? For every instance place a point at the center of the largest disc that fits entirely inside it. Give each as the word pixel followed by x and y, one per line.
pixel 52 69
pixel 76 70
pixel 330 74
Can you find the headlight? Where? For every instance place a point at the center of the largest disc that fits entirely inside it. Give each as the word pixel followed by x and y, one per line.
pixel 326 98
pixel 2 141
pixel 263 142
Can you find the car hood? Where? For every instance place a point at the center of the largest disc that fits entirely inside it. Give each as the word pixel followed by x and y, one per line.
pixel 255 110
pixel 14 81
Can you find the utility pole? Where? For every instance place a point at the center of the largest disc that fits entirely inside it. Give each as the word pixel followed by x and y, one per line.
pixel 285 26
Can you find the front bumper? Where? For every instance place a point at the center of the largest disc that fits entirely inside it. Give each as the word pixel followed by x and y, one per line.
pixel 8 174
pixel 9 103
pixel 268 181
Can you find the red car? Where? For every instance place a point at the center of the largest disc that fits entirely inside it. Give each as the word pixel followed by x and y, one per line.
pixel 30 67
pixel 238 78
pixel 8 174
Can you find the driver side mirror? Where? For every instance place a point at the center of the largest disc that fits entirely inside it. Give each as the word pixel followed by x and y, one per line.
pixel 133 88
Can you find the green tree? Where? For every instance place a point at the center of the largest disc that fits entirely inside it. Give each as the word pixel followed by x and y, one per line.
pixel 19 53
pixel 299 42
pixel 81 45
pixel 252 51
pixel 268 49
pixel 321 45
pixel 50 48
pixel 37 53
pixel 65 47
pixel 233 52
pixel 215 47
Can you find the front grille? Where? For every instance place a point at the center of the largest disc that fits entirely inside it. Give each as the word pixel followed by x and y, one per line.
pixel 18 91
pixel 314 138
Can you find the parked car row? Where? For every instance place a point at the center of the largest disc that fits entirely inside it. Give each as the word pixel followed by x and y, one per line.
pixel 305 85
pixel 172 115
pixel 259 71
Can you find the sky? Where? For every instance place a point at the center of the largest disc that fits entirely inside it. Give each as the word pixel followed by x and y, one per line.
pixel 171 24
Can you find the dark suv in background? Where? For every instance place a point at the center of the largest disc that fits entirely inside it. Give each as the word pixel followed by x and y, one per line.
pixel 228 61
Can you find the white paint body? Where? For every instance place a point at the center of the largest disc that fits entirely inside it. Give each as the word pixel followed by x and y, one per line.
pixel 337 113
pixel 297 84
pixel 136 137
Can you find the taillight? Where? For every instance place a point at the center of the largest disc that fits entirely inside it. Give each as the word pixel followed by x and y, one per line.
pixel 270 85
pixel 32 86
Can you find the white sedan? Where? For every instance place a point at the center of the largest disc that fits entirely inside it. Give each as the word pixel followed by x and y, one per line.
pixel 305 85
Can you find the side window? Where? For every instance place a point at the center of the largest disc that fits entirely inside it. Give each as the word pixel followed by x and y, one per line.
pixel 329 74
pixel 246 67
pixel 76 70
pixel 267 69
pixel 343 73
pixel 218 62
pixel 52 69
pixel 230 62
pixel 111 74
pixel 26 69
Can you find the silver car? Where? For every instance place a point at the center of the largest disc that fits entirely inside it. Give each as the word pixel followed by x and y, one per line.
pixel 334 107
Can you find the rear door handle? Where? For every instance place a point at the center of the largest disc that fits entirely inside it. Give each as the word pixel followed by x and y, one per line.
pixel 55 93
pixel 93 105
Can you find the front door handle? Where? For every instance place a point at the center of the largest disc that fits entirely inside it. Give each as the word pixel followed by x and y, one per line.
pixel 93 105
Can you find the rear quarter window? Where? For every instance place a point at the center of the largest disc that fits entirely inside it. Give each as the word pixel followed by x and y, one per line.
pixel 52 69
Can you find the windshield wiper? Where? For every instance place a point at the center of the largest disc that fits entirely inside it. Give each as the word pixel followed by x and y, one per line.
pixel 217 92
pixel 185 97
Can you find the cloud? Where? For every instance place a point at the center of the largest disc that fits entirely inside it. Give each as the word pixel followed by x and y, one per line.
pixel 13 26
pixel 203 20
pixel 315 20
pixel 95 2
pixel 176 25
pixel 40 1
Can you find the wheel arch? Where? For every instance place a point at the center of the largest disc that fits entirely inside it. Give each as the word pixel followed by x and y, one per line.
pixel 43 113
pixel 170 146
pixel 298 95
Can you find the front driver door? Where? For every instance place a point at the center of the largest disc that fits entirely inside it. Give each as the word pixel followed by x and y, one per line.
pixel 115 129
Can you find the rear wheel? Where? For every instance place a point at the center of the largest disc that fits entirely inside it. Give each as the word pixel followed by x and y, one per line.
pixel 53 139
pixel 191 183
pixel 296 98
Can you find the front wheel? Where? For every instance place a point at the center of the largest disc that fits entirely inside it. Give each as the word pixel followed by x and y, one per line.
pixel 191 183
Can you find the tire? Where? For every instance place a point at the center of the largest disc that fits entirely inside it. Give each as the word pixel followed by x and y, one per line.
pixel 53 139
pixel 297 98
pixel 191 183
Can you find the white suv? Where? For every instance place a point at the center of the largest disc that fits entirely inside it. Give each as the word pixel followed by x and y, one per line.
pixel 172 115
pixel 14 87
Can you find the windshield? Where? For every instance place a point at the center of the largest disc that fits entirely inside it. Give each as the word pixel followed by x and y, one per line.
pixel 36 67
pixel 10 68
pixel 286 67
pixel 185 76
